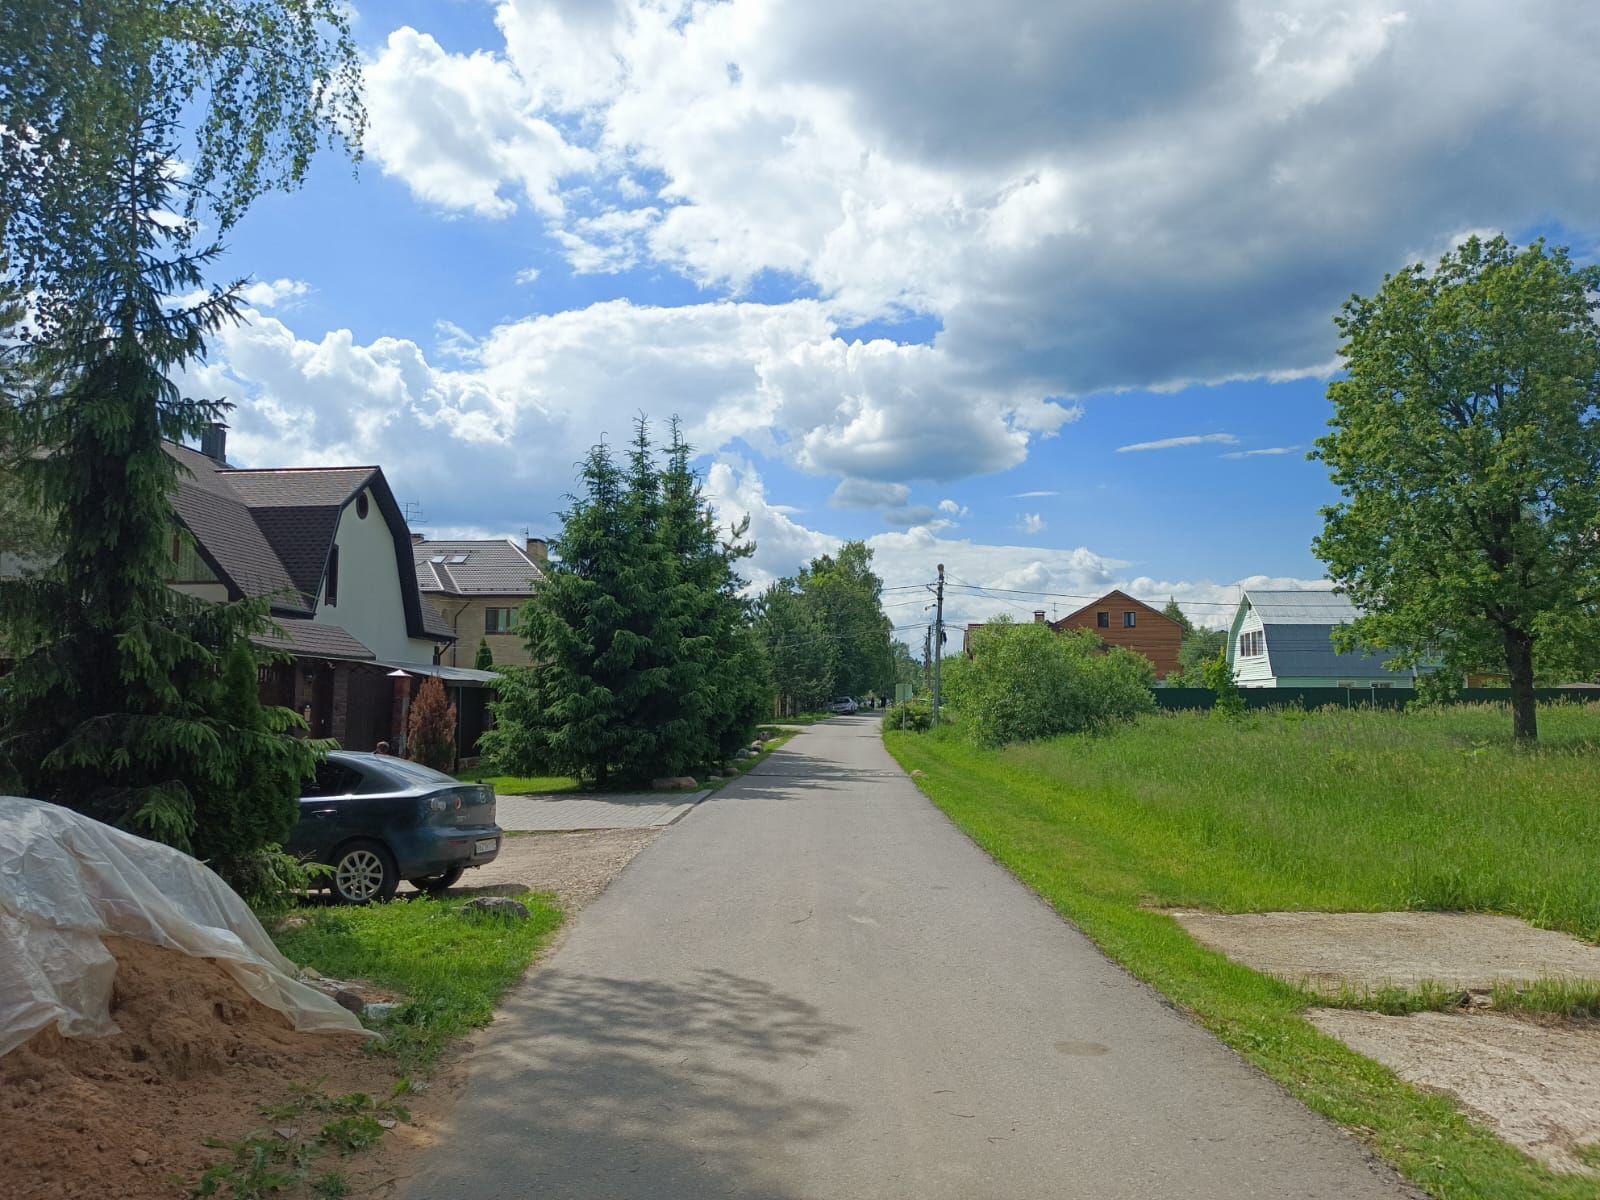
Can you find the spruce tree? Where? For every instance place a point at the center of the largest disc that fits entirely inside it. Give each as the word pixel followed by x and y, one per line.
pixel 127 697
pixel 721 672
pixel 662 697
pixel 571 712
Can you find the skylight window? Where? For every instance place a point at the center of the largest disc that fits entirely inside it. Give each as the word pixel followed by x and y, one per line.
pixel 436 559
pixel 458 558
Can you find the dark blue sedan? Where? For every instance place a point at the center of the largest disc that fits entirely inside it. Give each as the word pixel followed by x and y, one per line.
pixel 376 819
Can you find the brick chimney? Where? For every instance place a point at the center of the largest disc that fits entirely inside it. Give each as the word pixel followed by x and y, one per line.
pixel 214 443
pixel 539 551
pixel 1038 616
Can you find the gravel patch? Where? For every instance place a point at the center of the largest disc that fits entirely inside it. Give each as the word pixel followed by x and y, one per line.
pixel 1536 1084
pixel 575 866
pixel 1328 952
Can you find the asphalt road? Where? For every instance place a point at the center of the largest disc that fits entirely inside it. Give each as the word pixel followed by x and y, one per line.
pixel 814 986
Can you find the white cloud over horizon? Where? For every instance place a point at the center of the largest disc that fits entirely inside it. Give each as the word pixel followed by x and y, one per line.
pixel 1075 201
pixel 984 579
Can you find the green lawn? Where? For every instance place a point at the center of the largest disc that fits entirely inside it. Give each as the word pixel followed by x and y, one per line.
pixel 526 785
pixel 522 785
pixel 1338 811
pixel 451 968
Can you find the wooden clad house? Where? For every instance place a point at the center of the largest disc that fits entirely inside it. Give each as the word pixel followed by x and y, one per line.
pixel 1117 619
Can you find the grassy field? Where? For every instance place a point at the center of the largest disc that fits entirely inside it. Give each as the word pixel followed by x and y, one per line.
pixel 1351 811
pixel 452 968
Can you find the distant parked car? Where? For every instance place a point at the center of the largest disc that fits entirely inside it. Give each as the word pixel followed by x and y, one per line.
pixel 376 819
pixel 844 705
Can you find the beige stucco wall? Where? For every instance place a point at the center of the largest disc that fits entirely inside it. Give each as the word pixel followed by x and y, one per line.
pixel 465 618
pixel 370 605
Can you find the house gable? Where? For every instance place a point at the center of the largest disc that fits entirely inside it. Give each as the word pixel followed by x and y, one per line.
pixel 1154 634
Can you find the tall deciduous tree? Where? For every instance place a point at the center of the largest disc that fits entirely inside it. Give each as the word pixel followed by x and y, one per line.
pixel 1466 443
pixel 847 596
pixel 113 706
pixel 801 654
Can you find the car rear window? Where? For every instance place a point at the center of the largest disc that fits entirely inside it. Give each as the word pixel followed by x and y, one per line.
pixel 416 772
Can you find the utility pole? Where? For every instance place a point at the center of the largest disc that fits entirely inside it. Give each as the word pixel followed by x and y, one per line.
pixel 927 658
pixel 938 642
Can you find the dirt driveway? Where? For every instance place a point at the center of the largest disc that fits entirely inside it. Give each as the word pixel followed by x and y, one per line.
pixel 575 866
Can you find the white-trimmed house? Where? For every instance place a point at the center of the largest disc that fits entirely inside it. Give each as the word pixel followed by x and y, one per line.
pixel 1285 639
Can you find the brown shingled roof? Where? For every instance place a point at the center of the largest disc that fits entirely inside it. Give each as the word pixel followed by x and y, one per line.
pixel 228 535
pixel 268 533
pixel 313 639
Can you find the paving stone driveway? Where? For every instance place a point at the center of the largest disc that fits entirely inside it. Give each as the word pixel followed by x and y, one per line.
pixel 551 814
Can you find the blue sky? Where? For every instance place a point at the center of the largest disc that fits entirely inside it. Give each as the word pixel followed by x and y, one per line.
pixel 919 276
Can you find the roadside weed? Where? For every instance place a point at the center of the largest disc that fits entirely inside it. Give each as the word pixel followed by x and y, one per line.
pixel 280 1161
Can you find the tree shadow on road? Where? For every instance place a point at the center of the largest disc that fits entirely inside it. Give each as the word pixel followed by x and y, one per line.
pixel 602 1088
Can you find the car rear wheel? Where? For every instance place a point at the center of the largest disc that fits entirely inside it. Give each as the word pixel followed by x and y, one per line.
pixel 435 885
pixel 364 871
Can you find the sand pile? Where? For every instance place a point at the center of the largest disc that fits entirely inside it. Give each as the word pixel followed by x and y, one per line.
pixel 127 1115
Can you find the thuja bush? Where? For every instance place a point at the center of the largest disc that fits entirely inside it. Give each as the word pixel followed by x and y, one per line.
pixel 431 730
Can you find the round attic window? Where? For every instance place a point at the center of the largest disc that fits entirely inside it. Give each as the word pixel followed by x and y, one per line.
pixel 361 506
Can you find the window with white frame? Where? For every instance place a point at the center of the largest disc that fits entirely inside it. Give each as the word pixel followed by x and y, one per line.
pixel 1252 643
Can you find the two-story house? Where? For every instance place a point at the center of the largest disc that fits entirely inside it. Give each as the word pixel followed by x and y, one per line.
pixel 1285 639
pixel 330 551
pixel 1117 619
pixel 478 587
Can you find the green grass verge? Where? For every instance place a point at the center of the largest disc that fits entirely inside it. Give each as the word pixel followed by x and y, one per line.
pixel 741 766
pixel 811 718
pixel 451 967
pixel 523 785
pixel 1351 811
pixel 528 785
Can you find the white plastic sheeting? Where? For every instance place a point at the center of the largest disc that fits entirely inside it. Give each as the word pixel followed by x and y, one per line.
pixel 67 880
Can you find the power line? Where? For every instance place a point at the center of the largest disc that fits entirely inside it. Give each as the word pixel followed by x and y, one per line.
pixel 1086 599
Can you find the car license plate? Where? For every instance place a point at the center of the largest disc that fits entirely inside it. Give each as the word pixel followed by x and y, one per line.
pixel 485 846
